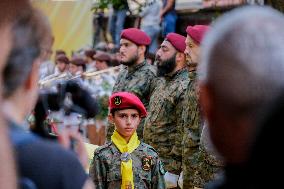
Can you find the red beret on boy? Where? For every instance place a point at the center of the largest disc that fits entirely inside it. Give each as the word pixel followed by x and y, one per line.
pixel 124 100
pixel 177 40
pixel 197 32
pixel 136 36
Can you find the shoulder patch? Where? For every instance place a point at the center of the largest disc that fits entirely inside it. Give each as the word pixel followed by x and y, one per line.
pixel 101 148
pixel 149 148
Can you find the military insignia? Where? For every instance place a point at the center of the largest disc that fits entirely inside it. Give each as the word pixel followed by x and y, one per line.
pixel 147 163
pixel 117 100
pixel 162 169
pixel 125 157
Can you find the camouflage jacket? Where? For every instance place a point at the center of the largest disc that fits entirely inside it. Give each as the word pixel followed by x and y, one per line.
pixel 191 131
pixel 163 126
pixel 148 170
pixel 140 80
pixel 199 165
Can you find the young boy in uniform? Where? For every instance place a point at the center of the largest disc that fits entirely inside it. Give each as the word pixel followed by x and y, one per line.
pixel 125 162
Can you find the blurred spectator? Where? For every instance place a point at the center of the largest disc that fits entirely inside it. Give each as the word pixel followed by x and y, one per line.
pixel 9 12
pixel 150 22
pixel 99 25
pixel 168 16
pixel 237 84
pixel 62 64
pixel 59 52
pixel 117 19
pixel 101 86
pixel 77 66
pixel 102 46
pixel 47 67
pixel 43 164
pixel 102 61
pixel 89 57
pixel 268 139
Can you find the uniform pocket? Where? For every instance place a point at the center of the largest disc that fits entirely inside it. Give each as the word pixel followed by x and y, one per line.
pixel 145 179
pixel 114 179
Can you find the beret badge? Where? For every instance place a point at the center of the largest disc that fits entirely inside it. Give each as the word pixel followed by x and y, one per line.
pixel 117 100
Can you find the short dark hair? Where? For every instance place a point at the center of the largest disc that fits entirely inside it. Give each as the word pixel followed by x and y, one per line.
pixel 30 31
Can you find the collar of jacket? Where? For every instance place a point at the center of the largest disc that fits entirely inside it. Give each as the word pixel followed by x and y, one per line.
pixel 176 74
pixel 132 69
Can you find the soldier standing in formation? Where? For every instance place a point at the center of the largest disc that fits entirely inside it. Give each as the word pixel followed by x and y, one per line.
pixel 199 166
pixel 163 126
pixel 125 162
pixel 137 76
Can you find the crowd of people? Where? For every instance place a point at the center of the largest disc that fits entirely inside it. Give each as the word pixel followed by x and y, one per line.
pixel 202 116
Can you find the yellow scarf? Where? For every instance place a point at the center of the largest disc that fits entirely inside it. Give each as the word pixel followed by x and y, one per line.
pixel 126 166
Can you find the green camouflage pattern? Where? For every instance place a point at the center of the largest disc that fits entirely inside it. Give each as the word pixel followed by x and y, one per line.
pixel 163 125
pixel 206 167
pixel 105 168
pixel 191 131
pixel 140 80
pixel 199 165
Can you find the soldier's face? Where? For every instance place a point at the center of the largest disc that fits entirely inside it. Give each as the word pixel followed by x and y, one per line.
pixel 166 58
pixel 128 52
pixel 192 51
pixel 126 122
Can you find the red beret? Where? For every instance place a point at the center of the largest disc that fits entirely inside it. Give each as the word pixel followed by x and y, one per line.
pixel 136 36
pixel 177 40
pixel 124 100
pixel 197 32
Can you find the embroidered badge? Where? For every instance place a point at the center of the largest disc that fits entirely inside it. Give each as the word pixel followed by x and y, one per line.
pixel 117 100
pixel 147 163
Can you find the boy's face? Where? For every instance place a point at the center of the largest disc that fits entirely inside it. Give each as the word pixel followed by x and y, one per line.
pixel 126 122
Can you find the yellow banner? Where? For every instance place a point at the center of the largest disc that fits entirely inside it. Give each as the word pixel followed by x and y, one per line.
pixel 71 22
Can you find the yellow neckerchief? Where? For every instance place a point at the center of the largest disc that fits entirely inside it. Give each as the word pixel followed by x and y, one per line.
pixel 126 166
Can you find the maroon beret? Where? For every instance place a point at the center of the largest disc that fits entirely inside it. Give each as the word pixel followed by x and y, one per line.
pixel 62 58
pixel 177 40
pixel 197 32
pixel 102 56
pixel 90 53
pixel 59 52
pixel 136 36
pixel 125 100
pixel 78 61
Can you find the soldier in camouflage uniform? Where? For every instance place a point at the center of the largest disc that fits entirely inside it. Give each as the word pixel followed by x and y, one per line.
pixel 163 124
pixel 107 168
pixel 199 164
pixel 137 76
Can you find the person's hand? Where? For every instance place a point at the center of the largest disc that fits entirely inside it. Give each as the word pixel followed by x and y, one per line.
pixel 161 15
pixel 69 138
